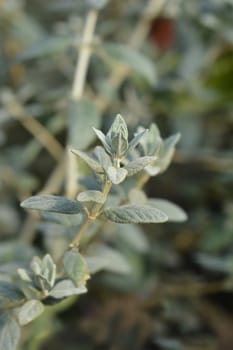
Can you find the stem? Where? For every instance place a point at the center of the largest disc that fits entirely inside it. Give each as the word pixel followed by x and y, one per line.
pixel 142 180
pixel 91 216
pixel 41 134
pixel 77 93
pixel 84 57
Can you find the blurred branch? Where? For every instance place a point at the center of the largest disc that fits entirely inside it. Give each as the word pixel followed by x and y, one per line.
pixel 18 112
pixel 217 162
pixel 185 289
pixel 77 93
pixel 137 38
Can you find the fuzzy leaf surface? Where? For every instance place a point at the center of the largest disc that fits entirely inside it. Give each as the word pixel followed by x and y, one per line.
pixel 116 175
pixel 92 163
pixel 52 203
pixel 75 267
pixel 29 311
pixel 139 164
pixel 66 288
pixel 173 211
pixel 135 214
pixel 9 332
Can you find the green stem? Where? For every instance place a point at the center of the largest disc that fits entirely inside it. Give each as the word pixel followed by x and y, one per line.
pixel 91 216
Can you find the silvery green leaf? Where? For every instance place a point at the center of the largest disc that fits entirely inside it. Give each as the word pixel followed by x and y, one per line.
pixel 9 332
pixel 36 265
pixel 29 290
pixel 66 288
pixel 103 157
pixel 137 196
pixel 75 267
pixel 48 270
pixel 52 203
pixel 135 141
pixel 139 164
pixel 214 263
pixel 24 275
pixel 108 259
pixel 116 175
pixel 170 143
pixel 173 211
pixel 95 263
pixel 83 115
pixel 135 214
pixel 103 139
pixel 46 46
pixel 154 141
pixel 29 311
pixel 167 151
pixel 9 292
pixel 93 164
pixel 151 141
pixel 134 59
pixel 118 126
pixel 118 134
pixel 133 236
pixel 91 196
pixel 153 170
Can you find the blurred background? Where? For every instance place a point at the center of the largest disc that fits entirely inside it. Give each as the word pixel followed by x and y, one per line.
pixel 168 62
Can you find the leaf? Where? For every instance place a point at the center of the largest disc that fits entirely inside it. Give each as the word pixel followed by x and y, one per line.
pixel 46 46
pixel 116 175
pixel 108 259
pixel 167 151
pixel 9 292
pixel 135 214
pixel 83 115
pixel 53 204
pixel 103 157
pixel 134 59
pixel 173 211
pixel 75 267
pixel 29 311
pixel 91 196
pixel 66 288
pixel 139 164
pixel 9 332
pixel 215 263
pixel 137 138
pixel 118 136
pixel 133 236
pixel 103 139
pixel 93 164
pixel 118 126
pixel 152 141
pixel 48 270
pixel 95 263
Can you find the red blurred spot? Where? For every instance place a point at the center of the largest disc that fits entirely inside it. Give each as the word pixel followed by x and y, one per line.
pixel 163 33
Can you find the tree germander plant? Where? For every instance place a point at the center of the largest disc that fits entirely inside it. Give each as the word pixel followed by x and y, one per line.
pixel 113 163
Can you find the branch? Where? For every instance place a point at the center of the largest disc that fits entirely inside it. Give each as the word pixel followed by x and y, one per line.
pixel 77 93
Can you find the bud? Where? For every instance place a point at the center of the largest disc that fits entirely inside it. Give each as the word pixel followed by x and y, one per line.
pixel 118 136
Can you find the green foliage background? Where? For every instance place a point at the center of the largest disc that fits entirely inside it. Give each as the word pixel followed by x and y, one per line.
pixel 178 74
